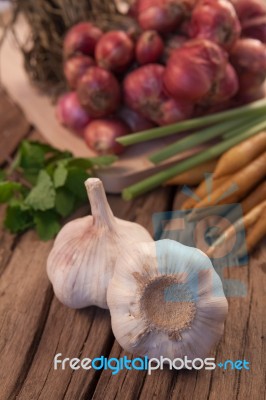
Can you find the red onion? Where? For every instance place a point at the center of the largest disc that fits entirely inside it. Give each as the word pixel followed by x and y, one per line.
pixel 172 111
pixel 81 39
pixel 249 9
pixel 114 51
pixel 134 120
pixel 70 113
pixel 133 9
pixel 144 92
pixel 99 92
pixel 100 135
pixel 248 96
pixel 75 67
pixel 143 89
pixel 161 15
pixel 226 88
pixel 194 70
pixel 250 55
pixel 172 43
pixel 255 28
pixel 215 20
pixel 149 47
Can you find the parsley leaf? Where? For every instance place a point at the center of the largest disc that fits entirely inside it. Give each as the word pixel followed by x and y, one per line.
pixel 47 224
pixel 64 202
pixel 75 182
pixel 60 175
pixel 43 186
pixel 42 196
pixel 18 217
pixel 7 190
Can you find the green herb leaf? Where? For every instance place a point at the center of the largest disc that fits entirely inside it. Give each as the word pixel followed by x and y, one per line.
pixel 7 190
pixel 30 156
pixel 64 202
pixel 52 187
pixel 75 182
pixel 18 217
pixel 47 224
pixel 42 196
pixel 60 175
pixel 2 175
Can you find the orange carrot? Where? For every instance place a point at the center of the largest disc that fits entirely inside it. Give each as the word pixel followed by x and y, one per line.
pixel 201 192
pixel 194 176
pixel 245 180
pixel 241 155
pixel 254 235
pixel 255 197
pixel 247 221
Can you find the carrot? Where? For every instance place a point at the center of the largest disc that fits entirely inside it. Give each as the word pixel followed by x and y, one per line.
pixel 251 201
pixel 247 221
pixel 254 235
pixel 257 196
pixel 246 179
pixel 201 192
pixel 194 176
pixel 241 155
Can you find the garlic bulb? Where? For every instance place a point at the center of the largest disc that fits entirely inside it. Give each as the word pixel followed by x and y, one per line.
pixel 166 300
pixel 83 257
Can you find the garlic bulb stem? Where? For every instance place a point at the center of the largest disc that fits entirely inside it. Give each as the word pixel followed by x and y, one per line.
pixel 100 209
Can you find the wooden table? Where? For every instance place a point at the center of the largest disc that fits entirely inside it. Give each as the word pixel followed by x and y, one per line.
pixel 34 326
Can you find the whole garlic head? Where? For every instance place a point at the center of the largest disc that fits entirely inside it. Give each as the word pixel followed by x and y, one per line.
pixel 84 254
pixel 166 300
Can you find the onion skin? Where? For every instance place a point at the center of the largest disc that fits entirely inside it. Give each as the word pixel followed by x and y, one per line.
pixel 75 68
pixel 149 47
pixel 100 135
pixel 249 55
pixel 172 111
pixel 161 15
pixel 255 28
pixel 193 70
pixel 144 93
pixel 81 39
pixel 114 51
pixel 99 92
pixel 215 20
pixel 134 120
pixel 70 113
pixel 143 90
pixel 249 9
pixel 173 43
pixel 226 88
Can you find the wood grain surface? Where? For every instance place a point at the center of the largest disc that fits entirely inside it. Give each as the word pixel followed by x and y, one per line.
pixel 34 326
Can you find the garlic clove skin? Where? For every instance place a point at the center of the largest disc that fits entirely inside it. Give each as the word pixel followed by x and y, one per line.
pixel 82 260
pixel 166 300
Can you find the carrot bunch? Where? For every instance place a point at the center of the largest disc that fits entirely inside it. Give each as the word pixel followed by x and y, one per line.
pixel 238 177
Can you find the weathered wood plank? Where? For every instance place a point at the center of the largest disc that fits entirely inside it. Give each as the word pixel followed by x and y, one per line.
pixel 13 127
pixel 57 328
pixel 243 339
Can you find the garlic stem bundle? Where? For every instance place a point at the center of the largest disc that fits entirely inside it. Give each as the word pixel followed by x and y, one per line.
pixel 166 300
pixel 84 254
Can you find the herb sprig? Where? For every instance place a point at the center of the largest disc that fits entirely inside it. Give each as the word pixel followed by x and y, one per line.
pixel 44 185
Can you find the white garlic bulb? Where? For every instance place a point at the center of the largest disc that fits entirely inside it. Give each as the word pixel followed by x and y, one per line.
pixel 166 300
pixel 83 257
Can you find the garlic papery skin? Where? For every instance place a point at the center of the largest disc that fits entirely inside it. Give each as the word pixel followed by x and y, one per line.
pixel 166 300
pixel 82 260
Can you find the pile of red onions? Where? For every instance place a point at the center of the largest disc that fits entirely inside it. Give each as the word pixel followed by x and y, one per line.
pixel 187 55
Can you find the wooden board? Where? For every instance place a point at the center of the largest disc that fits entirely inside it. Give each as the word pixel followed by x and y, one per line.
pixel 132 165
pixel 34 326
